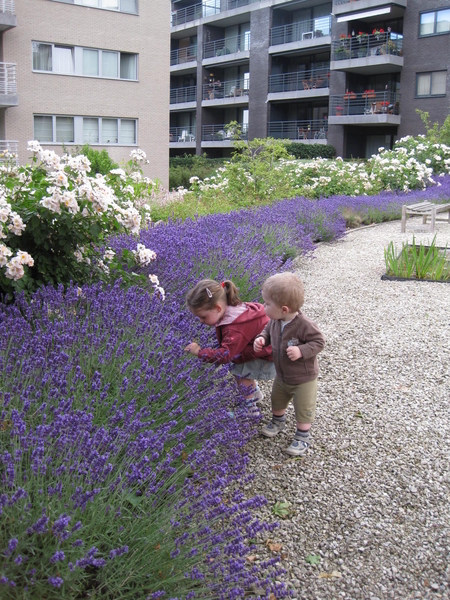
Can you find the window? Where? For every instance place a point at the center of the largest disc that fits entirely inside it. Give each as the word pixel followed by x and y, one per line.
pixel 88 62
pixel 433 23
pixel 432 84
pixel 56 129
pixel 126 6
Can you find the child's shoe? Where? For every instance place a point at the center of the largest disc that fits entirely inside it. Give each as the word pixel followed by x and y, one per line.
pixel 257 396
pixel 252 407
pixel 299 446
pixel 273 427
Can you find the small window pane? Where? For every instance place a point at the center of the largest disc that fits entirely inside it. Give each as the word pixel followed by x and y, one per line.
pixel 43 129
pixel 128 66
pixel 443 21
pixel 438 82
pixel 62 59
pixel 90 62
pixel 109 131
pixel 127 131
pixel 114 4
pixel 424 84
pixel 64 129
pixel 129 6
pixel 42 57
pixel 110 64
pixel 90 131
pixel 427 23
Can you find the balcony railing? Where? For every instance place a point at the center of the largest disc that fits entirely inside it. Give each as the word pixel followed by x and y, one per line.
pixel 9 152
pixel 7 6
pixel 8 83
pixel 225 46
pixel 219 90
pixel 314 129
pixel 183 94
pixel 182 134
pixel 365 103
pixel 183 55
pixel 300 80
pixel 300 31
pixel 219 133
pixel 206 9
pixel 367 45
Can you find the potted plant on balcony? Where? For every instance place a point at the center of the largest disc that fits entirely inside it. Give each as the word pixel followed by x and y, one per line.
pixel 339 111
pixel 378 33
pixel 349 96
pixel 341 53
pixel 362 36
pixel 369 94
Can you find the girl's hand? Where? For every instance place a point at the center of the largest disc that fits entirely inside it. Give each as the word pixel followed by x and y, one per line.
pixel 259 344
pixel 193 348
pixel 294 352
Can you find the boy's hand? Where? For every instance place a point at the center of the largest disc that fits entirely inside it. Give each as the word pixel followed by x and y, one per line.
pixel 193 348
pixel 294 352
pixel 259 344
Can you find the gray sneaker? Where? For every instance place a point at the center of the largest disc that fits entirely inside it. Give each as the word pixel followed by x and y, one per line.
pixel 273 428
pixel 297 448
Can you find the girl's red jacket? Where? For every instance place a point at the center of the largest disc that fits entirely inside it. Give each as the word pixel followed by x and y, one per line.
pixel 236 338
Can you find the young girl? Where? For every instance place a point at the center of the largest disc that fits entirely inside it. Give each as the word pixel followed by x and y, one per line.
pixel 237 324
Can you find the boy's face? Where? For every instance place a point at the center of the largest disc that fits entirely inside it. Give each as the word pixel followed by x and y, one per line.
pixel 273 311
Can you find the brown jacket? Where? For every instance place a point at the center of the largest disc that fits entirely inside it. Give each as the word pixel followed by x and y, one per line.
pixel 301 332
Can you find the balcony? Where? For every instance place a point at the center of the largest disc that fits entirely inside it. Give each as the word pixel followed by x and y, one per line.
pixel 208 8
pixel 8 85
pixel 232 91
pixel 217 136
pixel 182 137
pixel 314 131
pixel 183 59
pixel 183 98
pixel 367 108
pixel 368 54
pixel 235 49
pixel 341 7
pixel 300 35
pixel 301 84
pixel 8 16
pixel 9 152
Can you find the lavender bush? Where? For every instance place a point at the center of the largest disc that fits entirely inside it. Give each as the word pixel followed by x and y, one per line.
pixel 121 469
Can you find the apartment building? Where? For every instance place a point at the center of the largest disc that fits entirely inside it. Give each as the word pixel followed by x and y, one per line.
pixel 86 71
pixel 346 72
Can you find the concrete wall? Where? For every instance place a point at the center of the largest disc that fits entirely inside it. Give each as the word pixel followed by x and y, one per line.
pixel 146 100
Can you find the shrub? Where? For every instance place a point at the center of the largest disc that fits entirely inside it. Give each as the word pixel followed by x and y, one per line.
pixel 100 160
pixel 298 150
pixel 182 168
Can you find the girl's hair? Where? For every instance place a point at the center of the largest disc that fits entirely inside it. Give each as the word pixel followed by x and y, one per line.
pixel 285 289
pixel 207 293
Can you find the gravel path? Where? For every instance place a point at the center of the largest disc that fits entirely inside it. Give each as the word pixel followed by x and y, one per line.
pixel 371 498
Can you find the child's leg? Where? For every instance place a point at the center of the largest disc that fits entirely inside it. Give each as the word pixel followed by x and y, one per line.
pixel 250 387
pixel 280 398
pixel 305 397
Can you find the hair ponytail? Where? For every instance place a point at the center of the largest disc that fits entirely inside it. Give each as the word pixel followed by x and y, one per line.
pixel 207 293
pixel 232 293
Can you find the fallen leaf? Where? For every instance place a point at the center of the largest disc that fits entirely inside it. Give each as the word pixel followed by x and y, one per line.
pixel 184 456
pixel 272 596
pixel 331 575
pixel 274 547
pixel 158 547
pixel 312 559
pixel 282 509
pixel 277 466
pixel 251 558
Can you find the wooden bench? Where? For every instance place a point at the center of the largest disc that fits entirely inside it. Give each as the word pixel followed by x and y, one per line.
pixel 425 210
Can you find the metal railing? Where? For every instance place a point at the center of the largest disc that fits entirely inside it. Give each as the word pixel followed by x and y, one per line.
pixel 300 31
pixel 9 151
pixel 219 133
pixel 219 90
pixel 183 55
pixel 183 94
pixel 300 80
pixel 339 2
pixel 313 129
pixel 8 83
pixel 7 6
pixel 222 47
pixel 368 103
pixel 206 9
pixel 366 45
pixel 182 134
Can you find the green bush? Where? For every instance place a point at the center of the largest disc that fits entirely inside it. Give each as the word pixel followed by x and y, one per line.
pixel 100 160
pixel 299 150
pixel 182 168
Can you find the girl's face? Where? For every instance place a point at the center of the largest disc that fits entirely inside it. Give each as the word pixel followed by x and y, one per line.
pixel 210 316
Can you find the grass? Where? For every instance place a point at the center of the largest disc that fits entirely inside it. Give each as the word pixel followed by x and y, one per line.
pixel 418 261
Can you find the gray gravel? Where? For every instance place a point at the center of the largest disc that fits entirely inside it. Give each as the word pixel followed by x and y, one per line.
pixel 371 498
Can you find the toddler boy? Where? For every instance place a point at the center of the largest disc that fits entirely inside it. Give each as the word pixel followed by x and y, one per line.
pixel 295 341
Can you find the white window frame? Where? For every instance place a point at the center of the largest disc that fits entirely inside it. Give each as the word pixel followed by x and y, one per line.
pixel 100 7
pixel 430 95
pixel 78 61
pixel 435 13
pixel 78 130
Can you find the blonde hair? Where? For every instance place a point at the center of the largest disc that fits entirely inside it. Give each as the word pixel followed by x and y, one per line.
pixel 285 289
pixel 207 293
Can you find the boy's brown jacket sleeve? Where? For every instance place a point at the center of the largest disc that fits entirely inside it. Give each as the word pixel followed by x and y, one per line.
pixel 265 333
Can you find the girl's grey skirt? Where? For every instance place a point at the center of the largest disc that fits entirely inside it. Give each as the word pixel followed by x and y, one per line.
pixel 258 368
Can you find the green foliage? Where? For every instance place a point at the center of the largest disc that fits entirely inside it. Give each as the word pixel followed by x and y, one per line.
pixel 182 168
pixel 312 559
pixel 300 151
pixel 418 261
pixel 435 133
pixel 282 509
pixel 100 160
